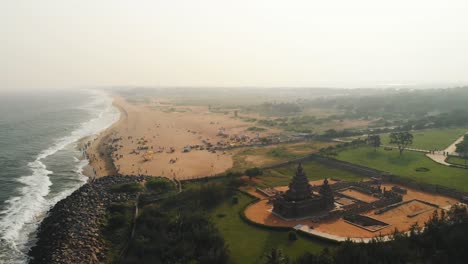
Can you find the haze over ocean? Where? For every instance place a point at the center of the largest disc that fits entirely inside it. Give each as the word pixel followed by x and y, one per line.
pixel 39 161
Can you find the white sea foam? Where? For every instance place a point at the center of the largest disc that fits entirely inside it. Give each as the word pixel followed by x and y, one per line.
pixel 24 212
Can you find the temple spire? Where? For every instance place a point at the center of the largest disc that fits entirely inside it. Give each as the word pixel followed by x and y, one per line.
pixel 299 188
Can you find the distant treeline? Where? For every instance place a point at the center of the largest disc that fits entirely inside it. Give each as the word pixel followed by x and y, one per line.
pixel 403 104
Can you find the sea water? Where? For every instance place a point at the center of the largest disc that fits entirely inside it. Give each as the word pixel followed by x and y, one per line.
pixel 40 163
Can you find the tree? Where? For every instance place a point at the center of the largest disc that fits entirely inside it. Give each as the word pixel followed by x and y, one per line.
pixel 252 172
pixel 374 141
pixel 401 139
pixel 275 256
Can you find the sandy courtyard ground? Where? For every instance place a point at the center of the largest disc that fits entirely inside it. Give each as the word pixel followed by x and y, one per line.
pixel 150 139
pixel 396 218
pixel 359 195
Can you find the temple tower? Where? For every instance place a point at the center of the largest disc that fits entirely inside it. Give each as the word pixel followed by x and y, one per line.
pixel 299 201
pixel 327 194
pixel 299 188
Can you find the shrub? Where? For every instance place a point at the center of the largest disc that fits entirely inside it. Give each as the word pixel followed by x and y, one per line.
pixel 252 172
pixel 292 236
pixel 158 185
pixel 116 221
pixel 132 187
pixel 422 169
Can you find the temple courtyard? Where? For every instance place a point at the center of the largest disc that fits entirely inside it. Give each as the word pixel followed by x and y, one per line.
pixel 360 211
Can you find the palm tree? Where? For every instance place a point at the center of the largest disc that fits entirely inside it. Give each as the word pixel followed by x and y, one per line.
pixel 275 256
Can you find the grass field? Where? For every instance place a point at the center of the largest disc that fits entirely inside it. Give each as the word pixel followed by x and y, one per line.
pixel 265 156
pixel 314 171
pixel 406 166
pixel 247 243
pixel 457 160
pixel 432 138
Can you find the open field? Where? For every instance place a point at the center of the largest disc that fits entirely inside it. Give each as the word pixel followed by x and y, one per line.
pixel 247 243
pixel 432 139
pixel 406 165
pixel 274 154
pixel 313 170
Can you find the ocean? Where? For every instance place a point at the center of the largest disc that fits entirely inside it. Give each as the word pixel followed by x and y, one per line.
pixel 39 160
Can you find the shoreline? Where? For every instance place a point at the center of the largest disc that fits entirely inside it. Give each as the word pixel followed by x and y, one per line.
pixel 103 165
pixel 70 233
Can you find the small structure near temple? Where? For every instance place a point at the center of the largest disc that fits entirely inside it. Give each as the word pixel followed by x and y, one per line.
pixel 300 201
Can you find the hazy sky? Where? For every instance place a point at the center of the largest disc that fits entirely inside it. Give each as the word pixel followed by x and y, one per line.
pixel 65 43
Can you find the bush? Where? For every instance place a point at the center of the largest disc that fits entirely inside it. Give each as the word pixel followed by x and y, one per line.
pixel 252 172
pixel 292 236
pixel 159 185
pixel 422 169
pixel 127 187
pixel 254 128
pixel 118 208
pixel 235 200
pixel 116 221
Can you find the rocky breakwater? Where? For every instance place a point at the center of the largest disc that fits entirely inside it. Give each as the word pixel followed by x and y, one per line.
pixel 71 232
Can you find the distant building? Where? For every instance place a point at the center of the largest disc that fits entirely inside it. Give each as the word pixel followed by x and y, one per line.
pixel 299 201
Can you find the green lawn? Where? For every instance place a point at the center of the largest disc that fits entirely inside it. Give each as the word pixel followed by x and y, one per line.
pixel 432 138
pixel 313 170
pixel 248 243
pixel 405 166
pixel 457 160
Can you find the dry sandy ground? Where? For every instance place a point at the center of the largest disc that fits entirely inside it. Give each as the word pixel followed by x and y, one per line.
pixel 164 126
pixel 359 195
pixel 397 218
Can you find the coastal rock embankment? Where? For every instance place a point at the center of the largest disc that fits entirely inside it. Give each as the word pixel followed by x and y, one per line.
pixel 71 232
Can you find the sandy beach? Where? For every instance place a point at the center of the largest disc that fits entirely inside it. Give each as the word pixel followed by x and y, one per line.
pixel 160 139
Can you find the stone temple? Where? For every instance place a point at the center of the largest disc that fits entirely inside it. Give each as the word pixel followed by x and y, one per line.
pixel 299 201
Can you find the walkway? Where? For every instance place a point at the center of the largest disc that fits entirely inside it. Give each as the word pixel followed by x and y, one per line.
pixel 439 157
pixel 336 238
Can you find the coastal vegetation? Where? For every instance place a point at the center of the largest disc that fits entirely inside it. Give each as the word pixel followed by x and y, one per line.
pixel 177 229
